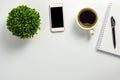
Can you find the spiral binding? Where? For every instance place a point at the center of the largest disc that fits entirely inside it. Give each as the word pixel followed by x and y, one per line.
pixel 104 25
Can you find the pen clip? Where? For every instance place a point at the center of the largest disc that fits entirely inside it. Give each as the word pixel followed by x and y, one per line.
pixel 112 22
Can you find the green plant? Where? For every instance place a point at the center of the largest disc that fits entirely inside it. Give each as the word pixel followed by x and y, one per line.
pixel 23 22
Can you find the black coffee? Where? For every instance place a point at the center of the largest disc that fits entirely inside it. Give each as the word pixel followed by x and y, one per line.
pixel 87 17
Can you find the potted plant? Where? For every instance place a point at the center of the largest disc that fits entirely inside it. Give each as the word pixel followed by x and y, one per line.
pixel 23 22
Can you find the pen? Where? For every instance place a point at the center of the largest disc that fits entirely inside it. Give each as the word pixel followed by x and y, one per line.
pixel 113 31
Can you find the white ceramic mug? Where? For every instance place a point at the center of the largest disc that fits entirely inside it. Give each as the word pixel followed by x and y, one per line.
pixel 87 19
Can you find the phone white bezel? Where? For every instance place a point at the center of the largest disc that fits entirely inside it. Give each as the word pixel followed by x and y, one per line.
pixel 62 28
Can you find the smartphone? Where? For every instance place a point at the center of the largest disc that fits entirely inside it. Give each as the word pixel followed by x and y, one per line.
pixel 56 17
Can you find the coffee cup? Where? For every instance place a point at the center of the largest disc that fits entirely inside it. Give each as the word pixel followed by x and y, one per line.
pixel 87 19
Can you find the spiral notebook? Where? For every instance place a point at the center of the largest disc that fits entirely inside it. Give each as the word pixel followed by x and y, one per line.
pixel 105 41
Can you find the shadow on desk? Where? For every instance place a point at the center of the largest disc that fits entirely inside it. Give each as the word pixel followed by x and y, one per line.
pixel 108 54
pixel 80 32
pixel 10 42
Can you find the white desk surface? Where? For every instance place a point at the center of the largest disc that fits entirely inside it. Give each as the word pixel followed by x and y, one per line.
pixel 56 56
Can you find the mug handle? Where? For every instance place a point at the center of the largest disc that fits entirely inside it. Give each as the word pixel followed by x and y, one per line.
pixel 92 32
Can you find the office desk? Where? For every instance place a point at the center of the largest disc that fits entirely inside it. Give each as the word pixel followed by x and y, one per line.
pixel 69 55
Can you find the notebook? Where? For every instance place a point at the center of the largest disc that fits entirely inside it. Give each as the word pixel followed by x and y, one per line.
pixel 105 41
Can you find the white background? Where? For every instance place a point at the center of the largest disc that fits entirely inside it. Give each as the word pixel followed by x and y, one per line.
pixel 70 55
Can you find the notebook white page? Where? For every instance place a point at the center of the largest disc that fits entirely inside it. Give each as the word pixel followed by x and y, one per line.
pixel 106 39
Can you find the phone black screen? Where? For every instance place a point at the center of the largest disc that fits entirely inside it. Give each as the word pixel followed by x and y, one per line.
pixel 57 17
